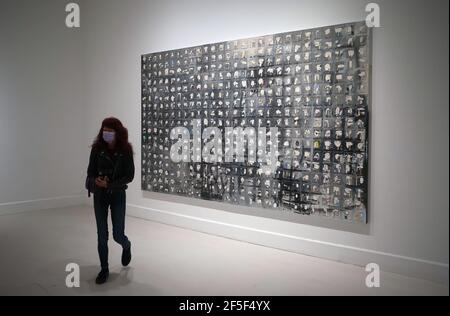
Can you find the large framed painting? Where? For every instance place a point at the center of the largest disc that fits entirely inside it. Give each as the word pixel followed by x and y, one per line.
pixel 278 122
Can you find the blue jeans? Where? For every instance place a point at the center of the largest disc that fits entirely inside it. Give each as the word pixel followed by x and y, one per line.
pixel 117 202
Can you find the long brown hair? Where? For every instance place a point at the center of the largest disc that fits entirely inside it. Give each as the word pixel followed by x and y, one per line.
pixel 122 143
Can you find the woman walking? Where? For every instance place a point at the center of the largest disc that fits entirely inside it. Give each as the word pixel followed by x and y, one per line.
pixel 111 168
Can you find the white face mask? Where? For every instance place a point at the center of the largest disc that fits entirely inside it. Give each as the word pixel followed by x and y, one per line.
pixel 109 137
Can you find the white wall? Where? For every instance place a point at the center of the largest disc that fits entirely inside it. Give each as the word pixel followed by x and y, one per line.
pixel 42 126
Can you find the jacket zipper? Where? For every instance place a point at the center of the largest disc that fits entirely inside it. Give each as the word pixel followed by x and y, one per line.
pixel 115 166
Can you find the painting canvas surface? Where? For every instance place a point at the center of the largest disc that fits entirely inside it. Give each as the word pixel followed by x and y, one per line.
pixel 278 122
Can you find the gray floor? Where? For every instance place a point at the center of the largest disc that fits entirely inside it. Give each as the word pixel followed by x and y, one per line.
pixel 37 246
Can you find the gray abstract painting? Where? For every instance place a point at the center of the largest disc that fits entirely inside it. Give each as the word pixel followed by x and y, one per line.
pixel 278 122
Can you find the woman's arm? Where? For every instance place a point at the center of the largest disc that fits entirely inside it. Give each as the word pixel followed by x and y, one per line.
pixel 92 168
pixel 128 175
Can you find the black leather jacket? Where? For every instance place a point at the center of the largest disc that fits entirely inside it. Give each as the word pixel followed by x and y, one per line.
pixel 118 167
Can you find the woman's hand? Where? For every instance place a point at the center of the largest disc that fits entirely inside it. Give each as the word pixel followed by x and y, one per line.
pixel 101 182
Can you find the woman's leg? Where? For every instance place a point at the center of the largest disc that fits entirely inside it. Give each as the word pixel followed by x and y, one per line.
pixel 118 211
pixel 101 216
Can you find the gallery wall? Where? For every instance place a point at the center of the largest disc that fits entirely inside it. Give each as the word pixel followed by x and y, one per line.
pixel 56 85
pixel 41 110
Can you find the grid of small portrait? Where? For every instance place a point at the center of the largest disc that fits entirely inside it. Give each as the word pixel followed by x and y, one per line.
pixel 312 85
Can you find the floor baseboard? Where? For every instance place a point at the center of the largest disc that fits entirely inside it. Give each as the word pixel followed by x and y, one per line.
pixel 412 267
pixel 41 204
